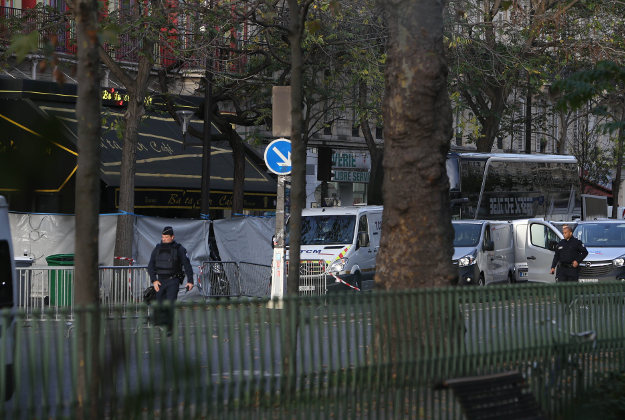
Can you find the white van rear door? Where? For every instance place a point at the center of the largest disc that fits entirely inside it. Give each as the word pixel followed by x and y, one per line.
pixel 537 252
pixel 364 256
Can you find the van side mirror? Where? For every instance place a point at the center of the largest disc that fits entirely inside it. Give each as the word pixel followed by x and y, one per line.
pixel 488 246
pixel 363 239
pixel 552 245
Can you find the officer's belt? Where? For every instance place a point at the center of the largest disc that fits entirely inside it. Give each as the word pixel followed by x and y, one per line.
pixel 164 276
pixel 567 265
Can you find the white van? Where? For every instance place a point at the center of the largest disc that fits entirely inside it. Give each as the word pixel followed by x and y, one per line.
pixel 483 252
pixel 605 242
pixel 535 241
pixel 8 298
pixel 344 242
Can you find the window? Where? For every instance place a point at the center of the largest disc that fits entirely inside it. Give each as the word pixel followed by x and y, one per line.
pixel 379 132
pixel 466 234
pixel 487 237
pixel 541 235
pixel 355 131
pixel 326 230
pixel 327 130
pixel 362 224
pixel 363 227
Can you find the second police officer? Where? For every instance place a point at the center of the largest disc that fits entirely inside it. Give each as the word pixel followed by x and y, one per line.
pixel 570 252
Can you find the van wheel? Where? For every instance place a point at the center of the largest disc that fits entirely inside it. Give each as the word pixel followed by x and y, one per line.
pixel 481 281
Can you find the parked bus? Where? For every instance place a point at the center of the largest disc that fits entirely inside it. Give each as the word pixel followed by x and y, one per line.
pixel 512 186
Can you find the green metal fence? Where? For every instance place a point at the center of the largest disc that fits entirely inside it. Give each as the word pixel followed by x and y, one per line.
pixel 352 355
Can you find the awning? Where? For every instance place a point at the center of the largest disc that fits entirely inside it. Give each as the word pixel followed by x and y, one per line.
pixel 168 171
pixel 35 151
pixel 162 159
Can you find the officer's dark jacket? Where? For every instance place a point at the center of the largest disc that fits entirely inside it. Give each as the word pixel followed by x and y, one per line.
pixel 569 251
pixel 167 260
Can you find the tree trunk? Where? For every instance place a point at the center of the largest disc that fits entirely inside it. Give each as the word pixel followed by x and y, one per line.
pixel 238 182
pixel 86 283
pixel 562 133
pixel 528 118
pixel 490 124
pixel 125 222
pixel 137 88
pixel 376 175
pixel 616 183
pixel 416 244
pixel 298 148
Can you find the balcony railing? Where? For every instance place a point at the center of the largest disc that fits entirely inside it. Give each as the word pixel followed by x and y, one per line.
pixel 174 49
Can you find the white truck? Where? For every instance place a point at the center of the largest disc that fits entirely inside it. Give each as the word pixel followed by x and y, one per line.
pixel 487 252
pixel 343 243
pixel 483 252
pixel 8 299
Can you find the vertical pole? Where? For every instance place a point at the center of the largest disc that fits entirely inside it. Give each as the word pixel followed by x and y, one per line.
pixel 206 146
pixel 277 265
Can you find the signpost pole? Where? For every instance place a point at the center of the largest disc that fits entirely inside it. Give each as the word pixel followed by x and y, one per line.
pixel 278 284
pixel 278 160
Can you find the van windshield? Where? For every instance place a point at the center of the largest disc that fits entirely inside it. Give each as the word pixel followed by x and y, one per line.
pixel 327 230
pixel 466 234
pixel 601 234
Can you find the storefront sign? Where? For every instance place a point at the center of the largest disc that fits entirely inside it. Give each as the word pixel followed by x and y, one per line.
pixel 350 176
pixel 342 159
pixel 171 198
pixel 350 166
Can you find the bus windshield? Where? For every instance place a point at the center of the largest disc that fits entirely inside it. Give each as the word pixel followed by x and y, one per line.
pixel 601 234
pixel 466 234
pixel 327 230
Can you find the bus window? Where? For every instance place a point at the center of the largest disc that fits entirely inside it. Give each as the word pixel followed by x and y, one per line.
pixel 453 173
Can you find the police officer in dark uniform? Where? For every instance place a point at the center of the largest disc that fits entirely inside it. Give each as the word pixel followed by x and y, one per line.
pixel 569 253
pixel 167 268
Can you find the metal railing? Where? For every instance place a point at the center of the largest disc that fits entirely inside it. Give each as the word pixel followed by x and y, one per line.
pixel 234 279
pixel 60 26
pixel 313 277
pixel 374 355
pixel 45 291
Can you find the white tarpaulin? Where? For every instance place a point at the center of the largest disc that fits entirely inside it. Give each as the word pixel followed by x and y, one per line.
pixel 42 235
pixel 246 239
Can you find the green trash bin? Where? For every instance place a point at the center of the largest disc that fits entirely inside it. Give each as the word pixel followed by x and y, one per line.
pixel 61 281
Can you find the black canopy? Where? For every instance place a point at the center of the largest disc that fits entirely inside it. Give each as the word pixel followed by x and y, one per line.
pixel 39 153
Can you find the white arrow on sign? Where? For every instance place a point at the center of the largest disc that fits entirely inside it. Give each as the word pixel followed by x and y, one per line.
pixel 286 161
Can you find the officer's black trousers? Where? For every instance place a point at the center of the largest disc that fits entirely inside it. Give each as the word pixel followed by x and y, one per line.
pixel 567 274
pixel 168 292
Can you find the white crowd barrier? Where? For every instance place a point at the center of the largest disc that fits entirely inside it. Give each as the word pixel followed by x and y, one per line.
pixel 47 291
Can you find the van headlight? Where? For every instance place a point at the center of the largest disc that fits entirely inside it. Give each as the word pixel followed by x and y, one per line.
pixel 338 265
pixel 466 261
pixel 619 262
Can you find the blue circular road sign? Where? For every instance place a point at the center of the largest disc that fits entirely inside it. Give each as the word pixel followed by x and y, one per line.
pixel 278 156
